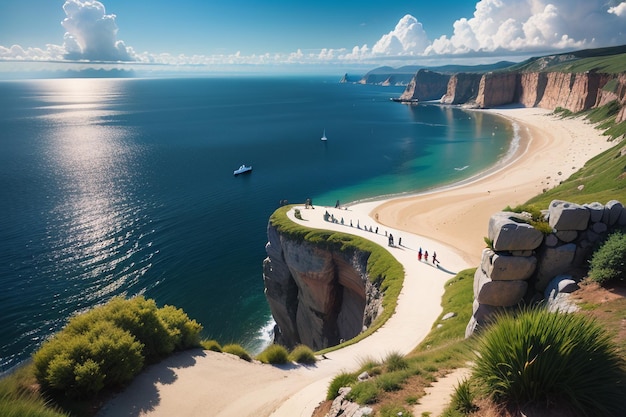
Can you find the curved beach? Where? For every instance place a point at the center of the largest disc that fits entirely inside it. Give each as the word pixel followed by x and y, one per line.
pixel 450 221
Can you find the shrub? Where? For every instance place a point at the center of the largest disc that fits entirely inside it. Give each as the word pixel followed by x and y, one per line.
pixel 609 261
pixel 303 354
pixel 237 350
pixel 365 392
pixel 108 345
pixel 184 331
pixel 212 345
pixel 541 358
pixel 344 379
pixel 274 354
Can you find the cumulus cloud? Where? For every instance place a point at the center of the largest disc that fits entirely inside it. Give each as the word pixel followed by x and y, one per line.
pixel 531 25
pixel 407 38
pixel 91 33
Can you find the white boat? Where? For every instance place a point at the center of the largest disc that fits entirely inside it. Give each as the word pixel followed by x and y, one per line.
pixel 324 138
pixel 242 170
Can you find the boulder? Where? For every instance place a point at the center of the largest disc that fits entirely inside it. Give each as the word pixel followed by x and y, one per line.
pixel 510 232
pixel 622 218
pixel 613 212
pixel 561 284
pixel 568 216
pixel 554 261
pixel 599 228
pixel 551 240
pixel 501 293
pixel 567 236
pixel 500 267
pixel 596 211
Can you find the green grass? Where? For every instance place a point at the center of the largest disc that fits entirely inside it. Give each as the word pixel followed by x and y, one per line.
pixel 603 179
pixel 237 350
pixel 545 358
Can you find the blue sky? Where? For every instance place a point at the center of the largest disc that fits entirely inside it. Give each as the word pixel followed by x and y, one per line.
pixel 291 34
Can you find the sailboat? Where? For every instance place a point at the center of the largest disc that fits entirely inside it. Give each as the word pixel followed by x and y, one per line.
pixel 324 138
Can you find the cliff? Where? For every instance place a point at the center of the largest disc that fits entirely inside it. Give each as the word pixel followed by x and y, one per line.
pixel 426 85
pixel 318 295
pixel 550 90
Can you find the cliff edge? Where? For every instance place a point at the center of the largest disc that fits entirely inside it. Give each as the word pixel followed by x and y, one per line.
pixel 318 295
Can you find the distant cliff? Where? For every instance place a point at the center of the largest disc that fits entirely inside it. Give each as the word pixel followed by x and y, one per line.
pixel 550 90
pixel 318 294
pixel 426 85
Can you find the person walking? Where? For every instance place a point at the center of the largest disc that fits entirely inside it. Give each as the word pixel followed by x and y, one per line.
pixel 435 258
pixel 419 255
pixel 426 256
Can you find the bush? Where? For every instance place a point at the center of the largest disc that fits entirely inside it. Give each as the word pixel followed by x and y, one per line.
pixel 344 379
pixel 463 398
pixel 303 354
pixel 274 354
pixel 390 381
pixel 237 350
pixel 609 262
pixel 543 358
pixel 108 345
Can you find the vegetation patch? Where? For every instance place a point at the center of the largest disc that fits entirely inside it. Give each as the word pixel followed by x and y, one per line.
pixel 544 358
pixel 237 350
pixel 109 345
pixel 608 263
pixel 303 354
pixel 274 354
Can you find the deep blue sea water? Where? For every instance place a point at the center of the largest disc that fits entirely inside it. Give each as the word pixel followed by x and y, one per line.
pixel 125 186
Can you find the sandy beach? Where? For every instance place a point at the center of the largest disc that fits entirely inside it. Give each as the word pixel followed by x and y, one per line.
pixel 451 222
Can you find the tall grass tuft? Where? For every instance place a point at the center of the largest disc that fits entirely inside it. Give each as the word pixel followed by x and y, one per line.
pixel 544 358
pixel 238 350
pixel 344 379
pixel 463 398
pixel 303 354
pixel 274 354
pixel 396 361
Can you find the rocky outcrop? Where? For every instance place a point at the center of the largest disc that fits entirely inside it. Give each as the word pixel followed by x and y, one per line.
pixel 426 85
pixel 523 261
pixel 317 296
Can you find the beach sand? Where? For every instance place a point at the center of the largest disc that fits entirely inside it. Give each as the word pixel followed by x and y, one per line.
pixel 451 221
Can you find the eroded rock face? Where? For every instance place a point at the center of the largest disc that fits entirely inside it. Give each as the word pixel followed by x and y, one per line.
pixel 426 85
pixel 462 88
pixel 496 89
pixel 317 296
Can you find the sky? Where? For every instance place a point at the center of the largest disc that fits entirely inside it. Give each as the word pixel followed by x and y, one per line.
pixel 325 35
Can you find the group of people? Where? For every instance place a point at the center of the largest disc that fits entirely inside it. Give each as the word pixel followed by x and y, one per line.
pixel 424 254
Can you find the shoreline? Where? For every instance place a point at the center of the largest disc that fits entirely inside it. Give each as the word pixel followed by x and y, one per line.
pixel 450 221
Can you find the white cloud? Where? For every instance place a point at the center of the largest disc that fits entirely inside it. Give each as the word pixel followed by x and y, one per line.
pixel 91 33
pixel 619 10
pixel 529 25
pixel 407 38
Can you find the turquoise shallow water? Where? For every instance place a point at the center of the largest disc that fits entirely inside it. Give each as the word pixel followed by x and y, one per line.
pixel 125 186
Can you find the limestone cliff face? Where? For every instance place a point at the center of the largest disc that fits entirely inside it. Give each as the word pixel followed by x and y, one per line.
pixel 317 296
pixel 426 85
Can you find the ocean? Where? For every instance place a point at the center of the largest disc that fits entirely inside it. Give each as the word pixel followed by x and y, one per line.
pixel 125 186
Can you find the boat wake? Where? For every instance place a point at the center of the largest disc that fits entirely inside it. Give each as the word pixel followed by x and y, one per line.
pixel 462 168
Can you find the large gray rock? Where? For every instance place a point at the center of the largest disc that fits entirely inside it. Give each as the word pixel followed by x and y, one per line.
pixel 561 284
pixel 500 293
pixel 622 218
pixel 554 261
pixel 509 232
pixel 596 211
pixel 501 267
pixel 568 216
pixel 567 236
pixel 613 212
